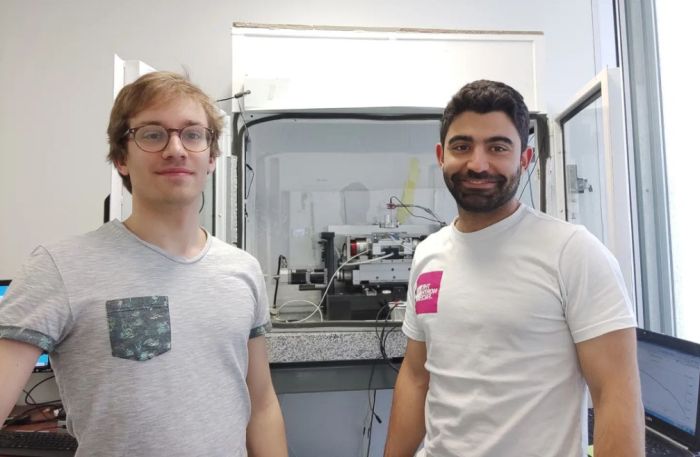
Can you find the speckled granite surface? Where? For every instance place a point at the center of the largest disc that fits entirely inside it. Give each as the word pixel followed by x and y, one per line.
pixel 329 344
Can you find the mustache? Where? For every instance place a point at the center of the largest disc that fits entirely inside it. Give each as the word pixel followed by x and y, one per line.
pixel 473 175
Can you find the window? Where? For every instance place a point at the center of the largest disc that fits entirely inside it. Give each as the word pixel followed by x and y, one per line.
pixel 661 91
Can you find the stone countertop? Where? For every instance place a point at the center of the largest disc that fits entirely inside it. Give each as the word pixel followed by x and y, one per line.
pixel 331 344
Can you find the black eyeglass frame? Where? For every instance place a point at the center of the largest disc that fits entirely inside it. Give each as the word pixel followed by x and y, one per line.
pixel 131 133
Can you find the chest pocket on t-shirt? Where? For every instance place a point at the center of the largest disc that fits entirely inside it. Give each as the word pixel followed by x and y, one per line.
pixel 139 327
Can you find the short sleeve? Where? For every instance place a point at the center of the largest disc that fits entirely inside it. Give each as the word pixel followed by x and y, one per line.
pixel 36 309
pixel 261 320
pixel 595 297
pixel 411 325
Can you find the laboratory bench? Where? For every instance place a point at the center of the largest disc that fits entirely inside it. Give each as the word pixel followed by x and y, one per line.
pixel 334 355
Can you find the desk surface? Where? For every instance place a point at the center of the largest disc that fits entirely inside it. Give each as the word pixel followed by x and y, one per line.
pixel 331 344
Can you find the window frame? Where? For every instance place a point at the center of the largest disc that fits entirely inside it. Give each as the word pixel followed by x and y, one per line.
pixel 638 51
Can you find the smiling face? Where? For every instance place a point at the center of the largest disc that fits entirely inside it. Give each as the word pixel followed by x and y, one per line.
pixel 173 176
pixel 482 161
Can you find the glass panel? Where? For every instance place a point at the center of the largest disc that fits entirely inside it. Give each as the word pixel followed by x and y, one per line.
pixel 584 169
pixel 680 100
pixel 312 174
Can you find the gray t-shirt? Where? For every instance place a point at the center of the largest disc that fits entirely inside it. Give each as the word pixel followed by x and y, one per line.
pixel 149 350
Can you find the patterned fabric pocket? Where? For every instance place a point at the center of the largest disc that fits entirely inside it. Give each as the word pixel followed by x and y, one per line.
pixel 139 327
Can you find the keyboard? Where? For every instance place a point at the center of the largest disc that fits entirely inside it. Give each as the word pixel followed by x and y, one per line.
pixel 39 444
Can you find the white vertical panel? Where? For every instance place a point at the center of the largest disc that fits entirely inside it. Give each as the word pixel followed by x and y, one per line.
pixel 221 178
pixel 125 72
pixel 616 204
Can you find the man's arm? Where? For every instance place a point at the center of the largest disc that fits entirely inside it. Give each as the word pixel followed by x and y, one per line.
pixel 407 421
pixel 16 364
pixel 609 364
pixel 265 435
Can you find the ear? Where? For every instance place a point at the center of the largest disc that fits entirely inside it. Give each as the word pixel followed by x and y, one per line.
pixel 440 154
pixel 121 167
pixel 526 158
pixel 212 165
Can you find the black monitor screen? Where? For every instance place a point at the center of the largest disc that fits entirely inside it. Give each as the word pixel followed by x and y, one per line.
pixel 670 375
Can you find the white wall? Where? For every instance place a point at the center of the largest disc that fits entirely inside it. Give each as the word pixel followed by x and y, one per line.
pixel 56 81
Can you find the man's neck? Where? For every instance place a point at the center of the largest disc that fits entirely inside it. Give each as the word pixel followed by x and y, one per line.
pixel 468 222
pixel 175 230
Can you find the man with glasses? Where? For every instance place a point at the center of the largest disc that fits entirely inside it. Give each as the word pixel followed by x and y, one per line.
pixel 154 327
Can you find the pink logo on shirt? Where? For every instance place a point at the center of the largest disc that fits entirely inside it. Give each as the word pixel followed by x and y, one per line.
pixel 427 292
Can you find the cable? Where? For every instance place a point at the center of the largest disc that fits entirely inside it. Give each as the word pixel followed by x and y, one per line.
pixel 201 207
pixel 28 394
pixel 372 417
pixel 317 309
pixel 238 97
pixel 280 260
pixel 317 306
pixel 383 336
pixel 27 397
pixel 25 417
pixel 375 259
pixel 372 393
pixel 430 212
pixel 247 192
pixel 529 175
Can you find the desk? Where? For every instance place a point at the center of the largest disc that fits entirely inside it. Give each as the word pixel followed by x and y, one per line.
pixel 50 425
pixel 327 359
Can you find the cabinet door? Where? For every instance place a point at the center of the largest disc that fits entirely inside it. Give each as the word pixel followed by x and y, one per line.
pixel 125 72
pixel 592 164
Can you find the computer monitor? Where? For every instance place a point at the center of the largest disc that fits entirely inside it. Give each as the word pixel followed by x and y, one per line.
pixel 42 363
pixel 4 285
pixel 670 376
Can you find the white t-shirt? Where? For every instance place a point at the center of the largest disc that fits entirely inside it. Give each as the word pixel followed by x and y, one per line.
pixel 500 311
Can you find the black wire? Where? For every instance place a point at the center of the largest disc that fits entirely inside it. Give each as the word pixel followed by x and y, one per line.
pixel 23 418
pixel 427 210
pixel 529 174
pixel 371 421
pixel 27 397
pixel 202 207
pixel 280 259
pixel 247 192
pixel 383 336
pixel 29 394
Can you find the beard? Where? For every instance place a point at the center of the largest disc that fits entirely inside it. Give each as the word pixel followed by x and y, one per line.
pixel 482 200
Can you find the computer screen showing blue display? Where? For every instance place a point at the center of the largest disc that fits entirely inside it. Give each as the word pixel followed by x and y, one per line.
pixel 42 362
pixel 4 285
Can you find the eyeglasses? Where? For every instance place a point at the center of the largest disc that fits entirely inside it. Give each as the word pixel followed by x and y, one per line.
pixel 155 138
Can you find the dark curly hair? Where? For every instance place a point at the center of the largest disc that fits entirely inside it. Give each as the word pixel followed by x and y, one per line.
pixel 485 96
